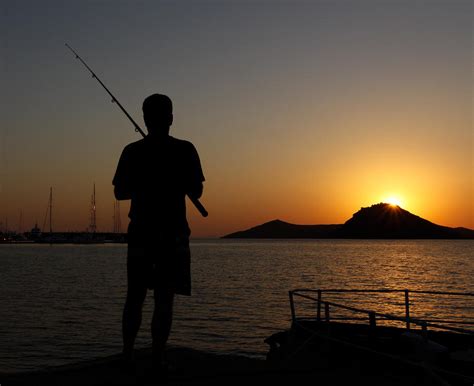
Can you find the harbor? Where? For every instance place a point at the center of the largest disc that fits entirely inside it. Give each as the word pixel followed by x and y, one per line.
pixel 63 238
pixel 46 235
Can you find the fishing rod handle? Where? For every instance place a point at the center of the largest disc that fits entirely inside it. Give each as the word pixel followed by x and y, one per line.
pixel 199 206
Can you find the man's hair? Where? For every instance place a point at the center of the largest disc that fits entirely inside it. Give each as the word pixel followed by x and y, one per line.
pixel 158 104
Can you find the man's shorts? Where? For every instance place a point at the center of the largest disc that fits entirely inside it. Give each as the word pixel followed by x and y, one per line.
pixel 164 264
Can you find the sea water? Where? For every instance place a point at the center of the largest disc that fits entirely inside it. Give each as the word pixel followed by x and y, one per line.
pixel 61 304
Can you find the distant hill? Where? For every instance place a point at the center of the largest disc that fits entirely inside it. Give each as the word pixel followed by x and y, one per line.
pixel 380 221
pixel 278 229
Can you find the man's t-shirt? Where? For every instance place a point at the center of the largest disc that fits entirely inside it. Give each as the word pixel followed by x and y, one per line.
pixel 158 173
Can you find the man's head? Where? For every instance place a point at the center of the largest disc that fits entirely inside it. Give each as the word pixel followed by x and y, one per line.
pixel 158 114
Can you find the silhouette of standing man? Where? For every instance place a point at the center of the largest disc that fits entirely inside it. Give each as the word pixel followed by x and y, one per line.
pixel 156 173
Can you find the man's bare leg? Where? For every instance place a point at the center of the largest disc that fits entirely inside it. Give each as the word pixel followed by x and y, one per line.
pixel 161 323
pixel 131 320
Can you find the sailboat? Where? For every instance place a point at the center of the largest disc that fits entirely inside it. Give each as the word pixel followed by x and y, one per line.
pixel 50 238
pixel 91 237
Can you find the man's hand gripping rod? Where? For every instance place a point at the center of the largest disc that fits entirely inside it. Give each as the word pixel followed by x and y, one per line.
pixel 195 201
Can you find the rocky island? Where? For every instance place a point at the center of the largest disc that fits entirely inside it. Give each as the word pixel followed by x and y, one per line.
pixel 379 221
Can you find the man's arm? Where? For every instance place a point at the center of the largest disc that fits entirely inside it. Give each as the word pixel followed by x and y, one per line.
pixel 195 191
pixel 121 181
pixel 195 186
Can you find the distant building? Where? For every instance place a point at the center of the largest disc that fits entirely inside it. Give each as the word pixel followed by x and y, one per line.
pixel 35 233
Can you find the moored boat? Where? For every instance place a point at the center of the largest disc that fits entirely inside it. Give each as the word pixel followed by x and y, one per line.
pixel 332 329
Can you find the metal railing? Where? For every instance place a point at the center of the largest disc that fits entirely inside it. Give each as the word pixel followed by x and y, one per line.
pixel 372 315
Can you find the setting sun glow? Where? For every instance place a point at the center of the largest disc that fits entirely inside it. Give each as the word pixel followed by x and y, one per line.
pixel 370 104
pixel 394 201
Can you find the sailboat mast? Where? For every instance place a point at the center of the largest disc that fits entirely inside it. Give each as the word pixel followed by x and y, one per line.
pixel 119 221
pixel 93 225
pixel 20 222
pixel 51 210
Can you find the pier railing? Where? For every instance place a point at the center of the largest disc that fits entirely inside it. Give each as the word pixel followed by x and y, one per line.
pixel 371 315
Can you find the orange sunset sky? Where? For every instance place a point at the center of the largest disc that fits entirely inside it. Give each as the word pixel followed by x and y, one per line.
pixel 300 110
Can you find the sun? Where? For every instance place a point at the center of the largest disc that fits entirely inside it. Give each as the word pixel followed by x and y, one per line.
pixel 393 201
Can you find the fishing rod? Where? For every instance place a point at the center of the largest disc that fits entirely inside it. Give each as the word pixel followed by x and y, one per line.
pixel 195 201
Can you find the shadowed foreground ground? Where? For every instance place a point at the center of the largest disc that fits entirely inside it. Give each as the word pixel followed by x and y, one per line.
pixel 191 367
